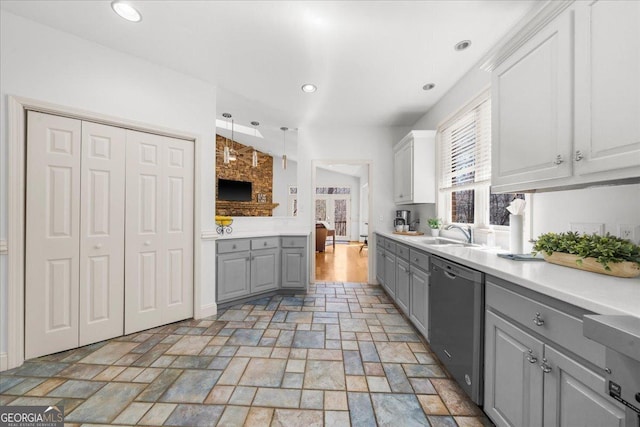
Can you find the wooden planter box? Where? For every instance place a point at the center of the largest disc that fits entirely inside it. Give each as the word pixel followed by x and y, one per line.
pixel 618 269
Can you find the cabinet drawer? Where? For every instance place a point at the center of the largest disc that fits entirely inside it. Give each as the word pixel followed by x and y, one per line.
pixel 293 242
pixel 402 251
pixel 235 245
pixel 264 243
pixel 553 324
pixel 380 241
pixel 419 259
pixel 390 246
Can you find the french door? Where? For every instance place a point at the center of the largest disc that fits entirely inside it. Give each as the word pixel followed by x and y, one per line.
pixel 336 210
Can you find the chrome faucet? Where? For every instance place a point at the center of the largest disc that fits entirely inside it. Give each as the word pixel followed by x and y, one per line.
pixel 468 231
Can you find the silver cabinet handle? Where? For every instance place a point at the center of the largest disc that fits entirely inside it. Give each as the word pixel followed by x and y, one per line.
pixel 233 247
pixel 531 358
pixel 607 370
pixel 558 160
pixel 147 243
pixel 579 155
pixel 265 244
pixel 538 321
pixel 98 246
pixel 546 368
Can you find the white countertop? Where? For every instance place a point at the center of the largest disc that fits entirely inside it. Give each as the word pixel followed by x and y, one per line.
pixel 269 233
pixel 598 293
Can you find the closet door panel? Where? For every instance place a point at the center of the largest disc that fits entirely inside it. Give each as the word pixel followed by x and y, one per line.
pixel 145 246
pixel 52 233
pixel 179 229
pixel 102 233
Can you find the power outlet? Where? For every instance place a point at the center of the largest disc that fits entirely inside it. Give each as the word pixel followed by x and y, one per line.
pixel 629 232
pixel 587 227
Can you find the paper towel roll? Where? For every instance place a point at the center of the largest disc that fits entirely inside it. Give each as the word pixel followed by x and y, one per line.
pixel 515 234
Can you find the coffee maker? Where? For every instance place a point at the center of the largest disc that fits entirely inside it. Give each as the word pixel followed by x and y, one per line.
pixel 402 218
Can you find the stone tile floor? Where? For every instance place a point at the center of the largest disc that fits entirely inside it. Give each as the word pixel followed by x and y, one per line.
pixel 340 355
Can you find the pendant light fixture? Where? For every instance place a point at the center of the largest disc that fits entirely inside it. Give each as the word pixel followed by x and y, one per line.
pixel 226 156
pixel 254 156
pixel 284 146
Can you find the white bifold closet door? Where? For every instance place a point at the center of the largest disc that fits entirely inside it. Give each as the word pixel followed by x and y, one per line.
pixel 159 230
pixel 75 233
pixel 102 197
pixel 109 235
pixel 52 261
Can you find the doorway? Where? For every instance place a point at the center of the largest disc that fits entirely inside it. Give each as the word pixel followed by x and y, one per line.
pixel 341 192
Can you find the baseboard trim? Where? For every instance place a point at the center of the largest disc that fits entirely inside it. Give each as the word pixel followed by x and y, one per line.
pixel 207 310
pixel 4 362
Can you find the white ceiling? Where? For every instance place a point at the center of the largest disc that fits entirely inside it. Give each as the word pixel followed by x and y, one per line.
pixel 369 59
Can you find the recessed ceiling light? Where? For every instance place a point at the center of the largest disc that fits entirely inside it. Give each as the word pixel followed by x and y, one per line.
pixel 126 11
pixel 255 123
pixel 309 88
pixel 462 45
pixel 428 86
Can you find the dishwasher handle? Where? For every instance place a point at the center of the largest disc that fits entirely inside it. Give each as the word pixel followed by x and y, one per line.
pixel 450 275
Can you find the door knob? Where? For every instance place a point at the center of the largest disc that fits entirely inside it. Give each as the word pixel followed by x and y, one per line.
pixel 98 246
pixel 147 243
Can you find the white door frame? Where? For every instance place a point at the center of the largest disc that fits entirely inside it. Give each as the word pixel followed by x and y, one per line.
pixel 16 188
pixel 312 247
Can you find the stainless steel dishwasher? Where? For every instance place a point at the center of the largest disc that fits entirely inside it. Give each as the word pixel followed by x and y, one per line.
pixel 456 327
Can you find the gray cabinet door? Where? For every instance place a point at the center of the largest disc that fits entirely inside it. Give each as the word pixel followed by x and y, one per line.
pixel 513 378
pixel 390 274
pixel 380 263
pixel 234 273
pixel 294 268
pixel 265 268
pixel 575 395
pixel 419 300
pixel 402 285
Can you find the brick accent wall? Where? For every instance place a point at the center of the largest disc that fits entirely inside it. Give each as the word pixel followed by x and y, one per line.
pixel 261 178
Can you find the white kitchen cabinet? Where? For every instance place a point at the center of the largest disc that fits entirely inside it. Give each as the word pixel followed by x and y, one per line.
pixel 566 100
pixel 414 178
pixel 531 109
pixel 607 91
pixel 390 273
pixel 539 368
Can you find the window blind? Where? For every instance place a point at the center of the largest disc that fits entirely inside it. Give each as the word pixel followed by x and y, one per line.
pixel 465 141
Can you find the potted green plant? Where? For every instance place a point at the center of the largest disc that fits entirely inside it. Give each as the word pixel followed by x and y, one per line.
pixel 434 224
pixel 601 254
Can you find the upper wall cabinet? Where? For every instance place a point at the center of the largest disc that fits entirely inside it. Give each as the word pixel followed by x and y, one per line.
pixel 566 102
pixel 607 73
pixel 414 168
pixel 531 109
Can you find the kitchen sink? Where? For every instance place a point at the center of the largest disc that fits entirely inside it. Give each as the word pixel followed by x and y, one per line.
pixel 440 241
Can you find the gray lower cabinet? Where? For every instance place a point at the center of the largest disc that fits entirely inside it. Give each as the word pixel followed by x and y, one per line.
pixel 419 300
pixel 379 262
pixel 390 274
pixel 294 267
pixel 513 379
pixel 247 267
pixel 234 275
pixel 532 377
pixel 402 285
pixel 573 395
pixel 265 270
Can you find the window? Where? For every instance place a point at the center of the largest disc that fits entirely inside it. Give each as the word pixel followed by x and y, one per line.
pixel 465 169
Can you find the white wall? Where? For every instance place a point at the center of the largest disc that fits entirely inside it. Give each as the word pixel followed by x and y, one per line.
pixel 552 211
pixel 44 64
pixel 351 143
pixel 327 178
pixel 282 180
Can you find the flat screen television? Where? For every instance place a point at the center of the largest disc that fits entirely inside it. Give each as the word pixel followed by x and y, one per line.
pixel 237 191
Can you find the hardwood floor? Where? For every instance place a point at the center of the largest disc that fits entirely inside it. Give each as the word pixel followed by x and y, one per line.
pixel 346 264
